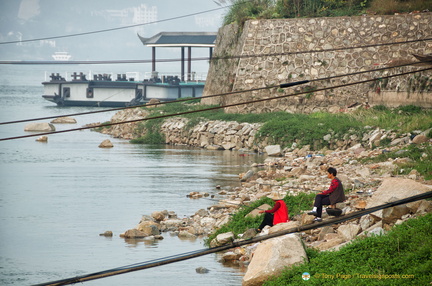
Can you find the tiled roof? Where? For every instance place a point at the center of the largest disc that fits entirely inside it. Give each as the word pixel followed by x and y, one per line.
pixel 181 39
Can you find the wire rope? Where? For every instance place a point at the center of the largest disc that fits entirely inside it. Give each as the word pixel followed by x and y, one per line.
pixel 117 28
pixel 198 253
pixel 208 96
pixel 214 58
pixel 213 108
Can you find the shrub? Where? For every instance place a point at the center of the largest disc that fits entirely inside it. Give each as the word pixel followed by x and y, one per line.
pixel 405 250
pixel 239 223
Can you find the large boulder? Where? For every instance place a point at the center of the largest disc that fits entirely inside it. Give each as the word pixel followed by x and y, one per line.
pixel 221 239
pixel 272 256
pixel 348 231
pixel 150 230
pixel 393 189
pixel 420 139
pixel 391 215
pixel 39 127
pixel 158 216
pixel 64 120
pixel 134 233
pixel 273 150
pixel 284 226
pixel 106 144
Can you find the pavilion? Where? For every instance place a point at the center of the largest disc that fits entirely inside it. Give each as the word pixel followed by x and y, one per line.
pixel 182 40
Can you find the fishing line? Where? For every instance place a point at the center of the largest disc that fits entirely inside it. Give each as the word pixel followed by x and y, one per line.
pixel 209 96
pixel 214 108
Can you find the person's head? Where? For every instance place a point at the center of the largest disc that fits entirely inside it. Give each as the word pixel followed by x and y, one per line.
pixel 332 171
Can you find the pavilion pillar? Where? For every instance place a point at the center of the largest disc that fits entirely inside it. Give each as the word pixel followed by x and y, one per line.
pixel 182 64
pixel 153 59
pixel 189 63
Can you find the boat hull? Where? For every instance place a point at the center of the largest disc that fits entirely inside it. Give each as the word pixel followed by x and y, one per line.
pixel 119 93
pixel 87 103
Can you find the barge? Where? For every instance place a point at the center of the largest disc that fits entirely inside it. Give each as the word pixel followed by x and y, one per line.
pixel 102 90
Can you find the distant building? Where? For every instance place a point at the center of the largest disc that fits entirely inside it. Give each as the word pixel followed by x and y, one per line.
pixel 135 15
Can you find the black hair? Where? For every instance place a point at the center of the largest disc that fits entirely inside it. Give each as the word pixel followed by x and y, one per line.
pixel 332 171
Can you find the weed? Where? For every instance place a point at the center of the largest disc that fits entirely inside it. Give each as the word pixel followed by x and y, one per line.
pixel 419 156
pixel 239 223
pixel 406 251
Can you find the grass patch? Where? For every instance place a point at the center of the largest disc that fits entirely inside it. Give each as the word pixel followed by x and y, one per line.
pixel 239 223
pixel 404 119
pixel 419 155
pixel 307 129
pixel 105 125
pixel 151 130
pixel 405 250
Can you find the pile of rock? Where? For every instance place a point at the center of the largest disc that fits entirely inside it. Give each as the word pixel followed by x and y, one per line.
pixel 223 135
pixel 272 256
pixel 127 130
pixel 215 135
pixel 203 222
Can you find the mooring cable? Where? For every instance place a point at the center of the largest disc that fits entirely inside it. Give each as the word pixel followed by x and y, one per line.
pixel 198 253
pixel 211 108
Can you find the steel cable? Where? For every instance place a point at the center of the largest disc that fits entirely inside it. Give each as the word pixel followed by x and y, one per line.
pixel 211 108
pixel 198 253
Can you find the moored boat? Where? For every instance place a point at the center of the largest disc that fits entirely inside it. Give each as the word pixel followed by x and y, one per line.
pixel 61 56
pixel 104 91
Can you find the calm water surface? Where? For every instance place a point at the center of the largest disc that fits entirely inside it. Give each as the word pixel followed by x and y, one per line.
pixel 56 197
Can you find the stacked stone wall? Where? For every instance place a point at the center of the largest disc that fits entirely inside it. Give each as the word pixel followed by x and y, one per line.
pixel 278 51
pixel 216 135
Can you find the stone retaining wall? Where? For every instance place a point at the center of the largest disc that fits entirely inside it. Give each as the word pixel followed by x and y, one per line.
pixel 223 135
pixel 285 46
pixel 218 135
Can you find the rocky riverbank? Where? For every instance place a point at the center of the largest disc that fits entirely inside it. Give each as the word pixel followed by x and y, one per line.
pixel 291 171
pixel 231 135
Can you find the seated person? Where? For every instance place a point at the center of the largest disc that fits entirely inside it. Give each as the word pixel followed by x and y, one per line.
pixel 334 194
pixel 278 214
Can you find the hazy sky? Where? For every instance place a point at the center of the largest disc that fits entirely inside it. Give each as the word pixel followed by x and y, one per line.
pixel 35 19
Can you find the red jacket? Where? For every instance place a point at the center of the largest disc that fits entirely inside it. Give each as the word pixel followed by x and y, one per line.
pixel 280 211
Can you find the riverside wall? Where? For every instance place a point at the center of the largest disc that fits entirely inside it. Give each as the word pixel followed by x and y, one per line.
pixel 232 135
pixel 272 52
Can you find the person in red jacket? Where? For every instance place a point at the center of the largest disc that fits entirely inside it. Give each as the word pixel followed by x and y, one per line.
pixel 334 194
pixel 278 214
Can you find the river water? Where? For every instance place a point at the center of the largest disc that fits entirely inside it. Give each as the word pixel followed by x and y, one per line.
pixel 57 197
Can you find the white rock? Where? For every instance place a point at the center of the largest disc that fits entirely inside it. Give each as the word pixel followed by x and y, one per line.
pixel 348 231
pixel 41 127
pixel 273 150
pixel 64 120
pixel 272 256
pixel 393 189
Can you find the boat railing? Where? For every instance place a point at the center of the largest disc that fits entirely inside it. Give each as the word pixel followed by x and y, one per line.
pixel 193 77
pixel 188 77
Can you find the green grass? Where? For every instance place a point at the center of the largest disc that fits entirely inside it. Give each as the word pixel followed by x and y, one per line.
pixel 420 156
pixel 405 250
pixel 239 223
pixel 303 129
pixel 279 9
pixel 306 129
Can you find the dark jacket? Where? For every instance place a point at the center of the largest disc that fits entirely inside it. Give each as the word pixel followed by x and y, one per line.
pixel 337 195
